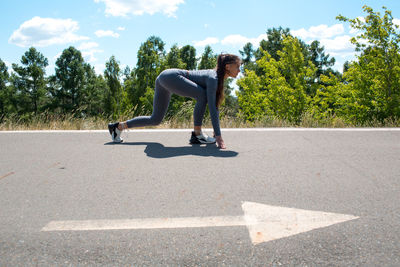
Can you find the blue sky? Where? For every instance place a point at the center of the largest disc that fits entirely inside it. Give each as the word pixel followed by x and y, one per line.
pixel 102 28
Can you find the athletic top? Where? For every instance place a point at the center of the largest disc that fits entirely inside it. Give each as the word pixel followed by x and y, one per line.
pixel 209 81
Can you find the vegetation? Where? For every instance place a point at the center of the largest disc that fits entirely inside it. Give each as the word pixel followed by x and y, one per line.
pixel 286 83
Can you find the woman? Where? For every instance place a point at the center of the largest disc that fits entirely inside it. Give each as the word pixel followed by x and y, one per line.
pixel 206 86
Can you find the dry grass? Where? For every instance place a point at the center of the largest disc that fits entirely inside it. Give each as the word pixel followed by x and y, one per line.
pixel 184 120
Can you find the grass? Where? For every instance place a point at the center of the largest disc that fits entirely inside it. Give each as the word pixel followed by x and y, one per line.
pixel 70 122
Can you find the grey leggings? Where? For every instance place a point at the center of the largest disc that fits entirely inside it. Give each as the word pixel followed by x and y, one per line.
pixel 172 81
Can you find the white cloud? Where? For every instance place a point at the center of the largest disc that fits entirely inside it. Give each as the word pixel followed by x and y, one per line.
pixel 88 55
pixel 335 39
pixel 356 31
pixel 45 32
pixel 207 41
pixel 318 32
pixel 362 19
pixel 88 50
pixel 232 40
pixel 121 28
pixel 88 45
pixel 235 40
pixel 50 69
pixel 57 56
pixel 8 64
pixel 339 46
pixel 239 40
pixel 99 68
pixel 102 33
pixel 123 8
pixel 396 22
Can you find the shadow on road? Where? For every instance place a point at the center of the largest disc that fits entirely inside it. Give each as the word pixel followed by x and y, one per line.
pixel 157 150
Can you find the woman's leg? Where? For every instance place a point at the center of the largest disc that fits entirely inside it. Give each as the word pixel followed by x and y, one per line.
pixel 198 113
pixel 176 82
pixel 160 106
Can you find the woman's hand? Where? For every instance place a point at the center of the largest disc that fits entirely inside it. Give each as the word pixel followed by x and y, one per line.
pixel 220 142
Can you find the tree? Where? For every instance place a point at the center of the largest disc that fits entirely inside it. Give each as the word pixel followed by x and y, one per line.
pixel 188 56
pixel 208 60
pixel 230 106
pixel 274 42
pixel 30 82
pixel 127 73
pixel 313 53
pixel 173 59
pixel 95 92
pixel 316 54
pixel 70 74
pixel 248 55
pixel 281 90
pixel 4 77
pixel 112 75
pixel 327 104
pixel 140 86
pixel 374 79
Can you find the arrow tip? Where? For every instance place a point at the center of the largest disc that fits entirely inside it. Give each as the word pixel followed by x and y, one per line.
pixel 266 223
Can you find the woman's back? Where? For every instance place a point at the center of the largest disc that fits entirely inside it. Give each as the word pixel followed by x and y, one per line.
pixel 203 77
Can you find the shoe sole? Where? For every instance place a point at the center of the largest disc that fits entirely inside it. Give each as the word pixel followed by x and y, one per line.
pixel 205 142
pixel 195 141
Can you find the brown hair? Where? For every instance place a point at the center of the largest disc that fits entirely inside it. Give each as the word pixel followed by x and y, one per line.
pixel 222 61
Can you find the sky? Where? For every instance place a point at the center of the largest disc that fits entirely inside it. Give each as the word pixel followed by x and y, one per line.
pixel 103 28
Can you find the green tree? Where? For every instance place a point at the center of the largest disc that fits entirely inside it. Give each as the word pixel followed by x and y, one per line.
pixel 316 54
pixel 208 59
pixel 312 53
pixel 248 55
pixel 328 102
pixel 127 73
pixel 30 82
pixel 274 43
pixel 373 81
pixel 230 106
pixel 95 92
pixel 281 90
pixel 70 76
pixel 173 59
pixel 141 85
pixel 188 56
pixel 4 78
pixel 113 99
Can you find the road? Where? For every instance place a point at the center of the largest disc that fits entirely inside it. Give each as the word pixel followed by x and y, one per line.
pixel 328 198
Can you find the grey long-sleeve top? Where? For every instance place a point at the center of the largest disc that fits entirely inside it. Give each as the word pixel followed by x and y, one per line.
pixel 209 81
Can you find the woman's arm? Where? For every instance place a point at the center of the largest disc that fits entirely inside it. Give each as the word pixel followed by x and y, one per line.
pixel 214 112
pixel 212 84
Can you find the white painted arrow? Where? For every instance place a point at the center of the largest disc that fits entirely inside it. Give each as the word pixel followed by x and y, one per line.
pixel 265 223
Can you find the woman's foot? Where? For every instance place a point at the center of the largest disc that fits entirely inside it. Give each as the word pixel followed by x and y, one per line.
pixel 115 132
pixel 201 138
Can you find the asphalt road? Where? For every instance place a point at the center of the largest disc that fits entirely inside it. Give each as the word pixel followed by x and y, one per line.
pixel 65 176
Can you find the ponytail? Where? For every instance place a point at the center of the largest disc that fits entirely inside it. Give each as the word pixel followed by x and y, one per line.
pixel 222 61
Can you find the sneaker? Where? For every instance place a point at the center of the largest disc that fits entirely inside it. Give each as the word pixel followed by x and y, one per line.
pixel 115 133
pixel 201 139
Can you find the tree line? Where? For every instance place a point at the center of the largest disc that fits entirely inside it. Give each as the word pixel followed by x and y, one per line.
pixel 76 89
pixel 284 81
pixel 284 78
